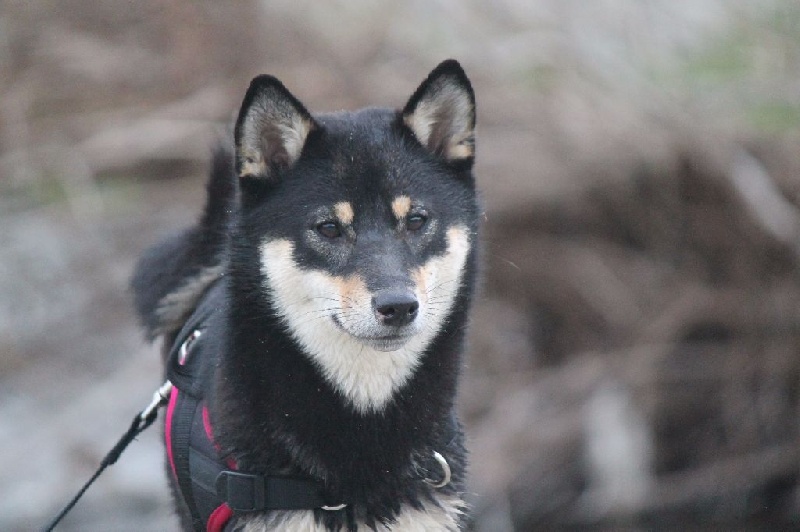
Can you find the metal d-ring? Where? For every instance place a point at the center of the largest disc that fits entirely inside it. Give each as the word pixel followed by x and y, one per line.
pixel 183 352
pixel 445 469
pixel 333 508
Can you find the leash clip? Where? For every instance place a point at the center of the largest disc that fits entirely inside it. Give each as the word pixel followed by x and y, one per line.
pixel 160 397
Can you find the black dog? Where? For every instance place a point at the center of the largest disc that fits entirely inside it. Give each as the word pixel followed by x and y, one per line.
pixel 318 312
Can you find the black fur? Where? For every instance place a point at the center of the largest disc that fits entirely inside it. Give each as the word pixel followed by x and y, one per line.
pixel 270 405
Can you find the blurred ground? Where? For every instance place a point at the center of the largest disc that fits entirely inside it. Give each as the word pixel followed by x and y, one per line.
pixel 634 359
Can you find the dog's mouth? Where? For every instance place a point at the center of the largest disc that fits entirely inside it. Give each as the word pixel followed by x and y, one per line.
pixel 385 342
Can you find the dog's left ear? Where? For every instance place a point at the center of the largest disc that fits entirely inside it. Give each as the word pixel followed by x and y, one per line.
pixel 441 113
pixel 271 130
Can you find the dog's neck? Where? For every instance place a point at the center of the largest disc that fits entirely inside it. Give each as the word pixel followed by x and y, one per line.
pixel 274 410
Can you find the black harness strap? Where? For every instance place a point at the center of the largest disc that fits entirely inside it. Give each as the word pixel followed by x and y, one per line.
pixel 181 453
pixel 245 492
pixel 184 373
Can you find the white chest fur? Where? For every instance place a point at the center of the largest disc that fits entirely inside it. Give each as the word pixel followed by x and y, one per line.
pixel 443 517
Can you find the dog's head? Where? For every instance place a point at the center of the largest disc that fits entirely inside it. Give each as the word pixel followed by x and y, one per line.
pixel 363 223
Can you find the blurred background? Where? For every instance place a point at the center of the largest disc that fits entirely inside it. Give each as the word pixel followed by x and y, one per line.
pixel 634 356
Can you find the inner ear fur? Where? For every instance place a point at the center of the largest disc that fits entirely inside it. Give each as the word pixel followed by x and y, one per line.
pixel 271 129
pixel 441 113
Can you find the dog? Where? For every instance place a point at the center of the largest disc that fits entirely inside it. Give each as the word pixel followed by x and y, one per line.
pixel 331 275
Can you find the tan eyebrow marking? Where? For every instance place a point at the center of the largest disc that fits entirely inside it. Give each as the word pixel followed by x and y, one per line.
pixel 400 207
pixel 344 211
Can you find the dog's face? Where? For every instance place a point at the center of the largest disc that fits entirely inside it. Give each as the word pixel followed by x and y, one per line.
pixel 363 224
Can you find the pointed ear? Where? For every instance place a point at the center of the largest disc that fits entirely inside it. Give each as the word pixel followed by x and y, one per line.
pixel 271 129
pixel 441 113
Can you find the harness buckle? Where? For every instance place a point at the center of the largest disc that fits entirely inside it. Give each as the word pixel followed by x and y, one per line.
pixel 243 492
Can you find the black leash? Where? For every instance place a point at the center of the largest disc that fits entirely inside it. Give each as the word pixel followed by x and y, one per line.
pixel 140 422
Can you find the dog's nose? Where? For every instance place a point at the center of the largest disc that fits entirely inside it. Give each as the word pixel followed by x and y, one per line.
pixel 395 307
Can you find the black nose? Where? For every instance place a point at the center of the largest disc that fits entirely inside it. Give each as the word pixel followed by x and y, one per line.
pixel 395 307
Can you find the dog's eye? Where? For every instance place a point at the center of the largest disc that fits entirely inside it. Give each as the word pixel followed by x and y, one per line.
pixel 415 222
pixel 329 230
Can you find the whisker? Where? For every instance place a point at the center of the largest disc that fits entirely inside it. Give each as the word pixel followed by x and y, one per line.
pixel 441 285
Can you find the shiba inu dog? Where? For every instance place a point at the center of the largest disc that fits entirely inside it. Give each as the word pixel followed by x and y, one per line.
pixel 321 302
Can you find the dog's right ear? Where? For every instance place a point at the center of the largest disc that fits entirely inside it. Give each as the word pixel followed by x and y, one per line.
pixel 271 130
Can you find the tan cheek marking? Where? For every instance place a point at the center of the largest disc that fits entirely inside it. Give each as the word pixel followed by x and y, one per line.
pixel 400 207
pixel 457 240
pixel 344 212
pixel 353 291
pixel 450 263
pixel 420 277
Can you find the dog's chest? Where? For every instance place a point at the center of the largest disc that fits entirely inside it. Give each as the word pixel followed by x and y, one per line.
pixel 445 516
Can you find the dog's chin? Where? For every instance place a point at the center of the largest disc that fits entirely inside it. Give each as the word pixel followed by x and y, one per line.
pixel 385 343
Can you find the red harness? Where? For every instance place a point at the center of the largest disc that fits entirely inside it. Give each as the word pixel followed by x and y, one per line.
pixel 184 406
pixel 210 482
pixel 222 513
